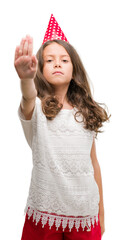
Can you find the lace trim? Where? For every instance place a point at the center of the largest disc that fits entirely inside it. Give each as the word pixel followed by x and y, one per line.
pixel 44 217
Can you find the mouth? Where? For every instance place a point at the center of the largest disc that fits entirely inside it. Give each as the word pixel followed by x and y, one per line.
pixel 57 73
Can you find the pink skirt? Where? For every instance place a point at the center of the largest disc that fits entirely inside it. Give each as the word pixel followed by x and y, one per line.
pixel 37 232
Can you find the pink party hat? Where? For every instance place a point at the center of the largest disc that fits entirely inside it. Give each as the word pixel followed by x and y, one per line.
pixel 54 31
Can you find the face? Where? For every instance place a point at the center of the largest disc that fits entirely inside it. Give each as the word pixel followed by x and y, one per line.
pixel 58 67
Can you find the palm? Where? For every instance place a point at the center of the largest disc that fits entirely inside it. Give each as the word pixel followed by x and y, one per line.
pixel 25 67
pixel 25 63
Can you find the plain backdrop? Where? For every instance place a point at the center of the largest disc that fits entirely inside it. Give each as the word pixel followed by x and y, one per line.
pixel 95 29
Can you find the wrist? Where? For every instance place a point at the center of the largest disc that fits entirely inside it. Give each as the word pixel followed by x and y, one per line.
pixel 26 80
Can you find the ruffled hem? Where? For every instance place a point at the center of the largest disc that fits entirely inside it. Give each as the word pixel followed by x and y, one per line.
pixel 80 222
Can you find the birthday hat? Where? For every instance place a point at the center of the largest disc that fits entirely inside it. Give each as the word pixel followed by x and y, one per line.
pixel 53 31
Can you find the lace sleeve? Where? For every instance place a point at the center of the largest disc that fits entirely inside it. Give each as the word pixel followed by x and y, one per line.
pixel 27 124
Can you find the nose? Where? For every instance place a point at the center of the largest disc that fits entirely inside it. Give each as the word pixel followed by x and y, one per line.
pixel 57 63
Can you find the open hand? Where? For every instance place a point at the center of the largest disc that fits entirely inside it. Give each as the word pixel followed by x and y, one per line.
pixel 25 63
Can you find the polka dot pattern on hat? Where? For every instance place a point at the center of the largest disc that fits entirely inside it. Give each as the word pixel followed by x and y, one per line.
pixel 54 31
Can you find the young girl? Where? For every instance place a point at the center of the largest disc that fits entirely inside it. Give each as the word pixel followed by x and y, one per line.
pixel 60 120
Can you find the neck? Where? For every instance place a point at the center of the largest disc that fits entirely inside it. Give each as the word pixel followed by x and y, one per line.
pixel 61 94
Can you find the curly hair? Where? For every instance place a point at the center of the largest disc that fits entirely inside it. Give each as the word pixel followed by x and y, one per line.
pixel 78 95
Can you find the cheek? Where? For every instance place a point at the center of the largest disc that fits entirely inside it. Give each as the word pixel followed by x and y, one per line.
pixel 70 71
pixel 46 71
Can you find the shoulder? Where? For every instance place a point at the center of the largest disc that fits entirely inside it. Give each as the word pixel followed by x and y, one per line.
pixel 38 104
pixel 38 101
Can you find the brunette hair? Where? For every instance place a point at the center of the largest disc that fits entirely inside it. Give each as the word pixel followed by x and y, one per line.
pixel 78 95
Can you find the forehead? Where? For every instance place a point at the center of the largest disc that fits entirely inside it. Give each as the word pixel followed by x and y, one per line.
pixel 55 49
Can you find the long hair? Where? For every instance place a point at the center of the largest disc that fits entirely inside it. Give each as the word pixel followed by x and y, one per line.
pixel 78 95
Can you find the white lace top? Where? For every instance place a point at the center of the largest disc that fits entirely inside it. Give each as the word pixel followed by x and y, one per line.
pixel 62 189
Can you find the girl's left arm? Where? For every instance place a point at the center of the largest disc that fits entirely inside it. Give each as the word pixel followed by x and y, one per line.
pixel 98 178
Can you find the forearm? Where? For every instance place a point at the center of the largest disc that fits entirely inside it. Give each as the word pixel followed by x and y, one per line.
pixel 98 178
pixel 29 94
pixel 28 89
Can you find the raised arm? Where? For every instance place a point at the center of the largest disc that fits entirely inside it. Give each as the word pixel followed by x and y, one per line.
pixel 26 66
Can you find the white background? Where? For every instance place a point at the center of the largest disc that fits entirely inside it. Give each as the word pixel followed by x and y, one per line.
pixel 95 29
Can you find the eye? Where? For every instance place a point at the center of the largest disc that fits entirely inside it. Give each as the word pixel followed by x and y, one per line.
pixel 49 60
pixel 65 60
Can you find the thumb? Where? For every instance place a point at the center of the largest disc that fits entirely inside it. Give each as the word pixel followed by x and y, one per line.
pixel 34 60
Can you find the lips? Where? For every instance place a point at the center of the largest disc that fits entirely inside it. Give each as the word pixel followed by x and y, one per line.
pixel 57 72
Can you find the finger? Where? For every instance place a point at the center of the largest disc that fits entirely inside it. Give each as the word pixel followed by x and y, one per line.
pixel 28 37
pixel 30 46
pixel 25 48
pixel 21 47
pixel 34 61
pixel 17 52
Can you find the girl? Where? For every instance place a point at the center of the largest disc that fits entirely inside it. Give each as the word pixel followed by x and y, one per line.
pixel 60 120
